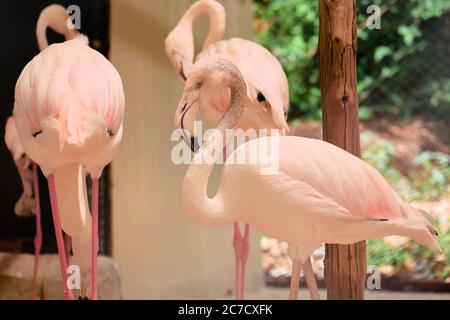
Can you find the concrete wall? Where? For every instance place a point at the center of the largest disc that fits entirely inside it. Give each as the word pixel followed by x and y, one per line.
pixel 161 252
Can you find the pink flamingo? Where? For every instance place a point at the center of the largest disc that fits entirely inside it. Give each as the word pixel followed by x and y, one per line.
pixel 69 108
pixel 307 201
pixel 267 88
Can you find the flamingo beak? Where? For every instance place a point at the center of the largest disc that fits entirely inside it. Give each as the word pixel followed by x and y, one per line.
pixel 191 141
pixel 185 117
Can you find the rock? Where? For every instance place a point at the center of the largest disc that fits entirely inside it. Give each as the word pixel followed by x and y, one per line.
pixel 387 270
pixel 16 272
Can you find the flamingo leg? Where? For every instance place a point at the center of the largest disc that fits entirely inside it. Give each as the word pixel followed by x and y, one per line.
pixel 38 236
pixel 311 280
pixel 94 238
pixel 236 239
pixel 244 256
pixel 241 246
pixel 295 279
pixel 59 237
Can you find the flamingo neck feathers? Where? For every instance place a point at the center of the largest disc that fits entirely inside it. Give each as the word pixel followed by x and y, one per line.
pixel 210 211
pixel 217 19
pixel 54 16
pixel 204 210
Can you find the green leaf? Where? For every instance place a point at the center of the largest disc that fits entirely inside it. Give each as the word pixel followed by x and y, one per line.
pixel 365 113
pixel 381 53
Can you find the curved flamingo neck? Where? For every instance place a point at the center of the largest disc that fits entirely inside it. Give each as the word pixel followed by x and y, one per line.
pixel 217 19
pixel 55 17
pixel 205 210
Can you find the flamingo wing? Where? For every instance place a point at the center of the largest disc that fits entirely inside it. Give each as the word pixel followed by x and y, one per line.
pixel 305 216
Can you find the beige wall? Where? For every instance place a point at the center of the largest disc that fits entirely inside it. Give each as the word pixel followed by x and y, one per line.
pixel 161 252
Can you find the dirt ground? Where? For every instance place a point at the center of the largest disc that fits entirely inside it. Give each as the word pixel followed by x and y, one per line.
pixel 408 137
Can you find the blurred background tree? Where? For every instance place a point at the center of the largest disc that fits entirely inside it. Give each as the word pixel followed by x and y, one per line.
pixel 403 68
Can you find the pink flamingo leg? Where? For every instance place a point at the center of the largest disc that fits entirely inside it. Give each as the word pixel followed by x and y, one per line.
pixel 59 237
pixel 241 250
pixel 38 236
pixel 295 279
pixel 94 238
pixel 311 280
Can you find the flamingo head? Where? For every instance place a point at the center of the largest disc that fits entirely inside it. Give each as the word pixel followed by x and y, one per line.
pixel 180 51
pixel 214 85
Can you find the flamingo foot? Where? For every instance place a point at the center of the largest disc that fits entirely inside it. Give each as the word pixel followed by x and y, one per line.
pixel 241 250
pixel 83 295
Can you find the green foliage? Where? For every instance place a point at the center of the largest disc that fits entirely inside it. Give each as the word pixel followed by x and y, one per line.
pixel 387 59
pixel 429 178
pixel 410 256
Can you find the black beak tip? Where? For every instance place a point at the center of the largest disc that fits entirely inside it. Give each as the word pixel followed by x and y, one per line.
pixel 194 144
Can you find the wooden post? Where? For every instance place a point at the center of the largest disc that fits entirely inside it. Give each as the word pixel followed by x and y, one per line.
pixel 345 266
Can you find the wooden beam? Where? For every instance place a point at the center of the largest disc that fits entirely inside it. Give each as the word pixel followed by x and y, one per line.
pixel 345 265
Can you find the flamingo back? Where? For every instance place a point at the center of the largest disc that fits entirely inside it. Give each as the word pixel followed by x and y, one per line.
pixel 71 94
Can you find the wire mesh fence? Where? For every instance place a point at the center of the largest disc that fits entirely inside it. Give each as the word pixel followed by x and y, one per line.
pixel 419 82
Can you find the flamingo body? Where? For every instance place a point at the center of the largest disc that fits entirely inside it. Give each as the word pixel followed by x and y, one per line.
pixel 321 194
pixel 69 92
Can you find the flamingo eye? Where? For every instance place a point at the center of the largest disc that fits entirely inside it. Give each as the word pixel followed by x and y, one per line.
pixel 198 85
pixel 36 133
pixel 260 97
pixel 110 132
